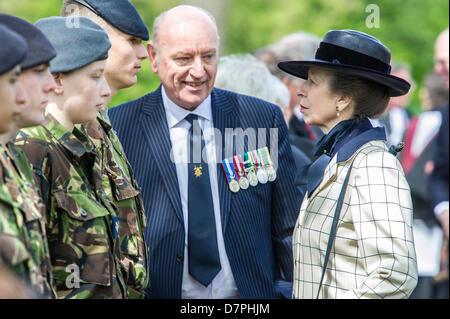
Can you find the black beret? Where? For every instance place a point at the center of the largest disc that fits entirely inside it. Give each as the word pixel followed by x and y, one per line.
pixel 40 50
pixel 13 49
pixel 78 42
pixel 121 14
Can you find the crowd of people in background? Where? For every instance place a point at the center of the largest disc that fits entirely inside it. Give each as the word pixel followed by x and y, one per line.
pixel 108 191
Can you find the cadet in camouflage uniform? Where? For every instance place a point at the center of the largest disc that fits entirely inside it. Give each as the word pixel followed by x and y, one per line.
pixel 37 82
pixel 18 207
pixel 126 31
pixel 81 222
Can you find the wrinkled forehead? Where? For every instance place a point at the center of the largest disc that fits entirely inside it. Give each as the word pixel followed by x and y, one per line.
pixel 192 29
pixel 187 41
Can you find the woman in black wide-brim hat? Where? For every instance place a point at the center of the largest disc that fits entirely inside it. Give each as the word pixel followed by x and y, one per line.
pixel 353 237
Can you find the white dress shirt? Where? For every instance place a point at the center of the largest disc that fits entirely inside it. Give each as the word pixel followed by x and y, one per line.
pixel 223 285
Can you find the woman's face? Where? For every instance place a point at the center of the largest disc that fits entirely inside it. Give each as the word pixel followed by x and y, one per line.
pixel 86 90
pixel 317 102
pixel 12 95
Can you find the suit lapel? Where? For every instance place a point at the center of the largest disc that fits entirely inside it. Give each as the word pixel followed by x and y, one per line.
pixel 154 125
pixel 223 117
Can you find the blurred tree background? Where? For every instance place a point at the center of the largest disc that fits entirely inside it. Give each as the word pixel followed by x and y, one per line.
pixel 408 27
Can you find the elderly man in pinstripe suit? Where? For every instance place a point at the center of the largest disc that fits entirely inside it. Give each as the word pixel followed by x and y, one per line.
pixel 206 241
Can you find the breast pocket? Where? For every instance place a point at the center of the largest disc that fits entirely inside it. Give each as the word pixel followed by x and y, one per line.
pixel 133 249
pixel 79 239
pixel 131 213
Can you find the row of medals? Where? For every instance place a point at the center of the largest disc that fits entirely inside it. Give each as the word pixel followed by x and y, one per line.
pixel 263 175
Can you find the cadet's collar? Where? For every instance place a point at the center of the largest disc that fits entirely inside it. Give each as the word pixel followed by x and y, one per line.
pixel 75 142
pixel 104 120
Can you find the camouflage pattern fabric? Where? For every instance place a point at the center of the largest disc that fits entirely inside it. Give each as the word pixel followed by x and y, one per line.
pixel 122 189
pixel 81 222
pixel 23 244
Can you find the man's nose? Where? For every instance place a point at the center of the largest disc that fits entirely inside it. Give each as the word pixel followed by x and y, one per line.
pixel 50 83
pixel 141 52
pixel 197 70
pixel 105 89
pixel 21 95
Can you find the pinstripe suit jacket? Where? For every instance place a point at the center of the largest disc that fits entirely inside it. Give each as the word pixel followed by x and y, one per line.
pixel 373 255
pixel 257 223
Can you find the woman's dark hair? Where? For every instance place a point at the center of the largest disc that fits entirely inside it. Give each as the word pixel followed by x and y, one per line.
pixel 370 99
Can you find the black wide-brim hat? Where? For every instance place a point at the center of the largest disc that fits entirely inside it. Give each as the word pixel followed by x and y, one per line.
pixel 352 52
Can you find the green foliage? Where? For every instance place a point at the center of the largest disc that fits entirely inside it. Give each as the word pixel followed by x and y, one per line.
pixel 408 27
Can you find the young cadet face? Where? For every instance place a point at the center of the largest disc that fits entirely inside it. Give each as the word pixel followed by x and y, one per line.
pixel 185 58
pixel 85 91
pixel 12 97
pixel 37 82
pixel 125 59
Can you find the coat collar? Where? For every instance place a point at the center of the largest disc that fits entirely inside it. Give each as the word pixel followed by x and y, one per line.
pixel 324 169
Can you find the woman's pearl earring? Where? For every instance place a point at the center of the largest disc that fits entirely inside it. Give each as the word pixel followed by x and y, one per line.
pixel 337 111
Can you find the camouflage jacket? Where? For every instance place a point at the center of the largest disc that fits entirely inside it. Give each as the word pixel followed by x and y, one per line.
pixel 122 189
pixel 81 222
pixel 23 242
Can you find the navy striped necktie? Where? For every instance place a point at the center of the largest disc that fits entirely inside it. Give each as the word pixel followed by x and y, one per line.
pixel 203 253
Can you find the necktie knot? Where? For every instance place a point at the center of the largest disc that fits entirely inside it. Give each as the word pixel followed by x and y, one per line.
pixel 191 118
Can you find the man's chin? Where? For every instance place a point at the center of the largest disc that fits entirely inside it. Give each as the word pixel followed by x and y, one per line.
pixel 192 103
pixel 126 83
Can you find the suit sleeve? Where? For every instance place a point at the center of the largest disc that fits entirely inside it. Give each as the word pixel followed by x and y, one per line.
pixel 381 209
pixel 286 199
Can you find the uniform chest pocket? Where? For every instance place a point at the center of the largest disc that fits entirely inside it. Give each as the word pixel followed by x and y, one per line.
pixel 130 210
pixel 122 188
pixel 79 238
pixel 133 250
pixel 13 252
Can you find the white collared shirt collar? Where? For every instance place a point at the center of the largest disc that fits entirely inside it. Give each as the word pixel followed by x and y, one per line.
pixel 175 114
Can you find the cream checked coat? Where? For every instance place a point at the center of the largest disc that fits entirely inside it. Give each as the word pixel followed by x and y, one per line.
pixel 373 255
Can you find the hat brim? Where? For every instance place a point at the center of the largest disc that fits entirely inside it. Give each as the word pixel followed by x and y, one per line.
pixel 395 85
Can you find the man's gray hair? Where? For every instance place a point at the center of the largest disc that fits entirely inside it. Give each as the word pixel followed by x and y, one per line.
pixel 247 75
pixel 159 19
pixel 295 46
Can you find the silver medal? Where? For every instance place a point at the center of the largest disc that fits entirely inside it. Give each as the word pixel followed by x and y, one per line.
pixel 234 186
pixel 271 173
pixel 252 179
pixel 243 182
pixel 262 175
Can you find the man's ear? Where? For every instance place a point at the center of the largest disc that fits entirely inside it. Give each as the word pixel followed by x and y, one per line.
pixel 59 89
pixel 152 55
